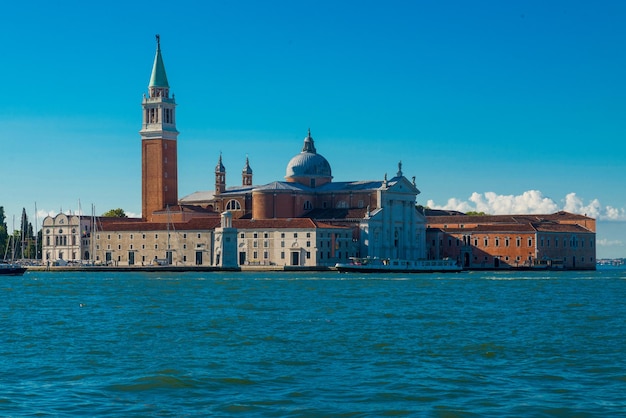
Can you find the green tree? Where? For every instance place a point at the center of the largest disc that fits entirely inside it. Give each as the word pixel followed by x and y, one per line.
pixel 115 213
pixel 474 213
pixel 4 235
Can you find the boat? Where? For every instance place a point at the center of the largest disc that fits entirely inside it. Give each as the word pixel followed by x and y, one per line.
pixel 386 265
pixel 10 269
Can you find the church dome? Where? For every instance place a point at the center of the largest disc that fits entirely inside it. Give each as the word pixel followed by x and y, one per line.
pixel 308 164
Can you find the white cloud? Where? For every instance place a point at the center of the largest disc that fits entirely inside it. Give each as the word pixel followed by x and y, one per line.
pixel 529 202
pixel 609 243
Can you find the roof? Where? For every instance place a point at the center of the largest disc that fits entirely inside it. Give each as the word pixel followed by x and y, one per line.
pixel 196 224
pixel 434 217
pixel 335 213
pixel 158 77
pixel 557 222
pixel 296 223
pixel 283 186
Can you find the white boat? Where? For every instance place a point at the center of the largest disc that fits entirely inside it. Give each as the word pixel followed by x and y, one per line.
pixel 386 265
pixel 10 269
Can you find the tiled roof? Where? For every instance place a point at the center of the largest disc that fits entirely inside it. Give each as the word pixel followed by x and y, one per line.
pixel 205 223
pixel 334 213
pixel 287 223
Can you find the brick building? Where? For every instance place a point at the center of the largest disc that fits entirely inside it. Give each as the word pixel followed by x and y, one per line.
pixel 559 240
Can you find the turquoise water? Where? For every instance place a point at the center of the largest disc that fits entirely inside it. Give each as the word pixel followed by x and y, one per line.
pixel 324 344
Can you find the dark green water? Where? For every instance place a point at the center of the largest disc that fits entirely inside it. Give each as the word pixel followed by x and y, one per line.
pixel 285 344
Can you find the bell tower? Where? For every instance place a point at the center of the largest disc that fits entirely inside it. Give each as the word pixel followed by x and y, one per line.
pixel 159 170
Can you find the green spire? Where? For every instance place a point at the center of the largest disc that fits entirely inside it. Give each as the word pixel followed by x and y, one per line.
pixel 158 78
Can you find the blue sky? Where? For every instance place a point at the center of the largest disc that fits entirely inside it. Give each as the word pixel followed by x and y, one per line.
pixel 514 106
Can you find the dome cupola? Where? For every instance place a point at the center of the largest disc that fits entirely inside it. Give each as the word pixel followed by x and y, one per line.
pixel 309 168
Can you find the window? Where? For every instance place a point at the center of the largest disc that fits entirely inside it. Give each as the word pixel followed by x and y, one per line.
pixel 233 205
pixel 308 235
pixel 199 236
pixel 497 242
pixel 506 242
pixel 295 235
pixel 308 243
pixel 143 236
pixel 342 204
pixel 307 205
pixel 255 235
pixel 360 204
pixel 308 254
pixel 242 235
pixel 282 255
pixel 530 242
pixel 282 243
pixel 266 235
pixel 184 236
pixel 486 242
pixel 282 235
pixel 266 255
pixel 131 236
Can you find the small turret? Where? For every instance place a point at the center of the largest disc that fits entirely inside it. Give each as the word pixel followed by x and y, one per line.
pixel 220 177
pixel 246 174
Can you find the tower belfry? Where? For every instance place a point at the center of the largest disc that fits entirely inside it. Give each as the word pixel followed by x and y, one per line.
pixel 159 171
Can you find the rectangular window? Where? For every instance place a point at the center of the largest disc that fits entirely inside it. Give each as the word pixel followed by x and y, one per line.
pixel 143 236
pixel 266 235
pixel 131 236
pixel 255 255
pixel 242 235
pixel 266 255
pixel 108 236
pixel 530 242
pixel 156 236
pixel 255 235
pixel 199 236
pixel 282 255
pixel 308 235
pixel 308 243
pixel 184 236
pixel 486 242
pixel 119 236
pixel 295 235
pixel 308 254
pixel 282 235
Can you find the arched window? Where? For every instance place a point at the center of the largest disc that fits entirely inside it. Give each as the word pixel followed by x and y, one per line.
pixel 233 205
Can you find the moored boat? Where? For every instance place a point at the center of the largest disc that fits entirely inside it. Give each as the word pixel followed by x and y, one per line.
pixel 10 269
pixel 386 265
